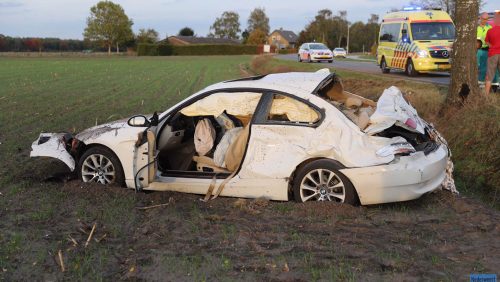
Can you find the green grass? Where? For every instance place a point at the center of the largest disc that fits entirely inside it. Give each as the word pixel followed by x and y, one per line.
pixel 71 94
pixel 191 240
pixel 57 94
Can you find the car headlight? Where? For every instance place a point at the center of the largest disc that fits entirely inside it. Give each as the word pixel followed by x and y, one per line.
pixel 423 54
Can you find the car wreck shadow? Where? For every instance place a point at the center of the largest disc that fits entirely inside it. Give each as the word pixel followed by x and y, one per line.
pixel 440 197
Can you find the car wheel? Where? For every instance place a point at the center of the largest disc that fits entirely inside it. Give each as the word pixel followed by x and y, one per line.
pixel 410 68
pixel 322 181
pixel 309 60
pixel 100 165
pixel 383 66
pixel 300 60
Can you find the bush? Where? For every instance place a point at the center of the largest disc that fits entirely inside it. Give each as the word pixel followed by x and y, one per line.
pixel 373 49
pixel 147 49
pixel 287 51
pixel 214 49
pixel 165 50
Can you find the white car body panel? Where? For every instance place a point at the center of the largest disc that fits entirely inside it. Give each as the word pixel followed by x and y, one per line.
pixel 120 138
pixel 274 151
pixel 54 148
pixel 407 179
pixel 272 189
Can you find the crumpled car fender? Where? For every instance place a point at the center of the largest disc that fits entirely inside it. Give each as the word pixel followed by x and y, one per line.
pixel 52 145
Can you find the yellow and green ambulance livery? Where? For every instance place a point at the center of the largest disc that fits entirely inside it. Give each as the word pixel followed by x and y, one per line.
pixel 415 40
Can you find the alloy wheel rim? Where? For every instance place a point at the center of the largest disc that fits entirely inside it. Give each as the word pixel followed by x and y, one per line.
pixel 98 168
pixel 322 185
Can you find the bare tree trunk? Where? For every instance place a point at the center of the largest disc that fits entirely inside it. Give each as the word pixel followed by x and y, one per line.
pixel 109 48
pixel 117 48
pixel 464 61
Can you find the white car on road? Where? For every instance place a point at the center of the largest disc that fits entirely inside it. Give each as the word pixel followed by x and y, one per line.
pixel 278 136
pixel 314 52
pixel 339 52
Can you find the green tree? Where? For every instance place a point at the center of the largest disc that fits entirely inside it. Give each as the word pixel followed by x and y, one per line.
pixel 256 37
pixel 186 32
pixel 258 20
pixel 108 25
pixel 147 36
pixel 326 28
pixel 227 26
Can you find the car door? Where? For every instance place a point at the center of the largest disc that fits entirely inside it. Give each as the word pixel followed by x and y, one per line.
pixel 144 165
pixel 199 183
pixel 280 135
pixel 389 36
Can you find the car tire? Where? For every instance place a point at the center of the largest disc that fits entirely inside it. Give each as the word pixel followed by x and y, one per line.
pixel 321 180
pixel 383 66
pixel 309 60
pixel 410 68
pixel 99 164
pixel 300 60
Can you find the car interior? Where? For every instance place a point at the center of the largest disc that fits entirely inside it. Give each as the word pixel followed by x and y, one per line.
pixel 208 136
pixel 359 110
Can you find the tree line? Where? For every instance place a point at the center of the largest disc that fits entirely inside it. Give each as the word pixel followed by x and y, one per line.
pixel 29 44
pixel 109 28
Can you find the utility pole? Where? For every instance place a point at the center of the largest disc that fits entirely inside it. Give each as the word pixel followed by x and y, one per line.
pixel 348 27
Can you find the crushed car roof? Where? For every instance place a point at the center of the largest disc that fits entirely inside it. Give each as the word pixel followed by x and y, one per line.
pixel 305 81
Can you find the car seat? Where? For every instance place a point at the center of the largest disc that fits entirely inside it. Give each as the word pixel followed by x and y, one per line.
pixel 233 156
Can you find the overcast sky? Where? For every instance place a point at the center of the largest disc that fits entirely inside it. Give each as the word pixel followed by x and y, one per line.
pixel 67 18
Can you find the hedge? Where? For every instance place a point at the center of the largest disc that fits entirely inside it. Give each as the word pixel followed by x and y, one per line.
pixel 147 49
pixel 287 51
pixel 195 50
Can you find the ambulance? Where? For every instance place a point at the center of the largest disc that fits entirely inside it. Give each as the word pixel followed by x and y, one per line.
pixel 416 41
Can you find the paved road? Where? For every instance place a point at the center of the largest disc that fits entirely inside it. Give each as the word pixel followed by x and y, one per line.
pixel 371 67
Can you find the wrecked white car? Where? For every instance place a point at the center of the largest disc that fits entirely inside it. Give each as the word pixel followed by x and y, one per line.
pixel 278 136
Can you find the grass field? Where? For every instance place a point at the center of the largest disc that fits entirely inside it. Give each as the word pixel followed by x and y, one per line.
pixel 438 237
pixel 71 94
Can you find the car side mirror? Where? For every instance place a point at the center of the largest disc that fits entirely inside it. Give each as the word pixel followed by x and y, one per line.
pixel 138 121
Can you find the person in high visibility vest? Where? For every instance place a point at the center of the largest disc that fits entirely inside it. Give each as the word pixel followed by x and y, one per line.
pixel 482 52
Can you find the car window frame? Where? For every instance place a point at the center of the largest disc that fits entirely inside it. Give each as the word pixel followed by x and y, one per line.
pixel 264 107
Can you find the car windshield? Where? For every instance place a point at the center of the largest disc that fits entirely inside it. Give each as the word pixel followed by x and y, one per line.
pixel 317 46
pixel 339 49
pixel 433 31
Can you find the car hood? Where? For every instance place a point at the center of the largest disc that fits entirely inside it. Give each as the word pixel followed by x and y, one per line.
pixel 96 131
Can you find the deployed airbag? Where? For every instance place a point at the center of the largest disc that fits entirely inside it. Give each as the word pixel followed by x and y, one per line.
pixel 204 136
pixel 294 110
pixel 392 108
pixel 240 103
